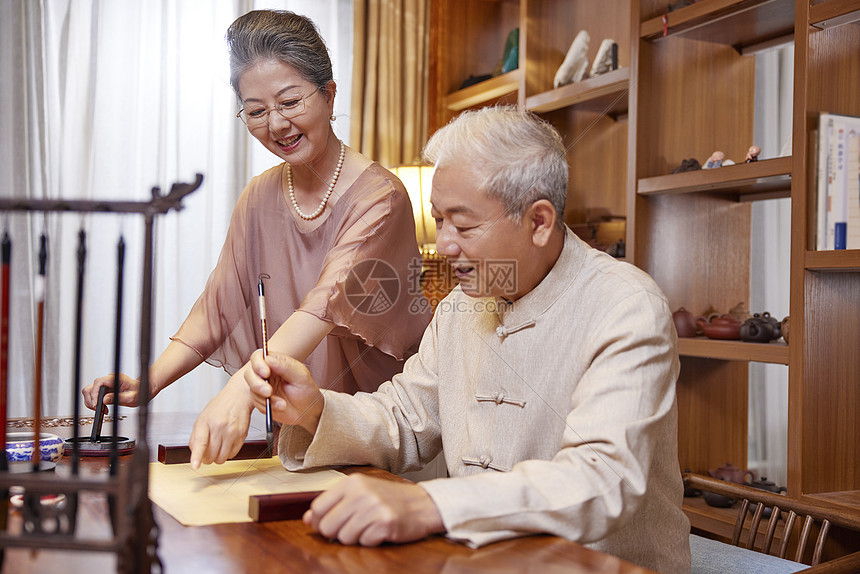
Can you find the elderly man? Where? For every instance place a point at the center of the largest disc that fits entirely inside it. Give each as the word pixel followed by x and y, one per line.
pixel 548 375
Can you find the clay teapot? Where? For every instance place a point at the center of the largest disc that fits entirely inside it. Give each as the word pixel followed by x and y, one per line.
pixel 740 312
pixel 718 500
pixel 690 491
pixel 764 484
pixel 783 327
pixel 685 324
pixel 774 323
pixel 720 327
pixel 760 328
pixel 731 473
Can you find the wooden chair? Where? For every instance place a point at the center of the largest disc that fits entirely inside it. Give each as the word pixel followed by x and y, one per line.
pixel 794 515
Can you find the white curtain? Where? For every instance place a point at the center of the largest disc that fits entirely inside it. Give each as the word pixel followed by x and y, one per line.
pixel 770 258
pixel 106 99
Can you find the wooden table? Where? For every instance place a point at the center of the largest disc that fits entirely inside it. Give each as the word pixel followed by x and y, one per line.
pixel 290 546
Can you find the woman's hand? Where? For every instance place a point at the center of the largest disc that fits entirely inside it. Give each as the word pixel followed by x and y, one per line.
pixel 220 430
pixel 176 360
pixel 129 390
pixel 295 397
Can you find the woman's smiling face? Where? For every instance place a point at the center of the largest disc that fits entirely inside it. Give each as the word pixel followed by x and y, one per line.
pixel 272 83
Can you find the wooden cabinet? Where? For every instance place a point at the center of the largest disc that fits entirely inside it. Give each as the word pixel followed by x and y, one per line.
pixel 824 385
pixel 696 94
pixel 591 115
pixel 686 88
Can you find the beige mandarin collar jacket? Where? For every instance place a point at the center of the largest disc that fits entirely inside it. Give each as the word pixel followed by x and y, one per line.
pixel 557 415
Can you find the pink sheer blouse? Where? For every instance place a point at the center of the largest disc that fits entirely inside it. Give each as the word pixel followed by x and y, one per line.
pixel 357 268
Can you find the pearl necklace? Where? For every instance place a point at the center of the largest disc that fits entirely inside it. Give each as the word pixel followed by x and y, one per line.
pixel 321 207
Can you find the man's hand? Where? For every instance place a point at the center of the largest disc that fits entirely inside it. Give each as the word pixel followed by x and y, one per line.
pixel 369 511
pixel 220 430
pixel 295 397
pixel 129 390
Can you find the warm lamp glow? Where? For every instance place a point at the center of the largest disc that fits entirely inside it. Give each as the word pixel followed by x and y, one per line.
pixel 417 180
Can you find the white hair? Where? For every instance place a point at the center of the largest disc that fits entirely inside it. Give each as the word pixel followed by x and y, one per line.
pixel 518 157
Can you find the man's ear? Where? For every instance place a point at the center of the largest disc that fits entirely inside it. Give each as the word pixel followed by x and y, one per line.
pixel 541 218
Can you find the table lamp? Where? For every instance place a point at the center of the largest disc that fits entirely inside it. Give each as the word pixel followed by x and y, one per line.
pixel 437 279
pixel 417 179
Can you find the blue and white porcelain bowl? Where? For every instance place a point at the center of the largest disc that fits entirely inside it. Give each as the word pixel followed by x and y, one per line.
pixel 19 446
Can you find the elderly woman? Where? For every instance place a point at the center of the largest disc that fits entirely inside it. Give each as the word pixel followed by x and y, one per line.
pixel 330 230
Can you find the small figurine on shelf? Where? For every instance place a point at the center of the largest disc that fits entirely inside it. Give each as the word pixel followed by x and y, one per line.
pixel 716 160
pixel 740 312
pixel 752 154
pixel 575 63
pixel 511 57
pixel 509 61
pixel 606 59
pixel 691 164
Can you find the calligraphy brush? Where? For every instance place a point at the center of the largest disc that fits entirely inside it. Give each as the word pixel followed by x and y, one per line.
pixel 79 313
pixel 270 435
pixel 4 343
pixel 4 372
pixel 37 398
pixel 72 498
pixel 120 264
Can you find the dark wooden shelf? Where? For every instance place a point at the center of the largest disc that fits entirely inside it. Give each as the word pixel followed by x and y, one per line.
pixel 736 23
pixel 484 92
pixel 847 260
pixel 607 93
pixel 775 352
pixel 764 179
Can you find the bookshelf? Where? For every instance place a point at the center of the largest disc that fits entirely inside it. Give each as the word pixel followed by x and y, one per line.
pixel 824 368
pixel 684 89
pixel 597 106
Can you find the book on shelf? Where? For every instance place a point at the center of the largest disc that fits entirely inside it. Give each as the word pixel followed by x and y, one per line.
pixel 838 202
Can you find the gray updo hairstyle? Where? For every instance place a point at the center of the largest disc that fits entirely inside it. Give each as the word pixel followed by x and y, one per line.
pixel 278 35
pixel 518 157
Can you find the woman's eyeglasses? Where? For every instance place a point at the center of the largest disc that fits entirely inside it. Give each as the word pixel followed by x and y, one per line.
pixel 258 116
